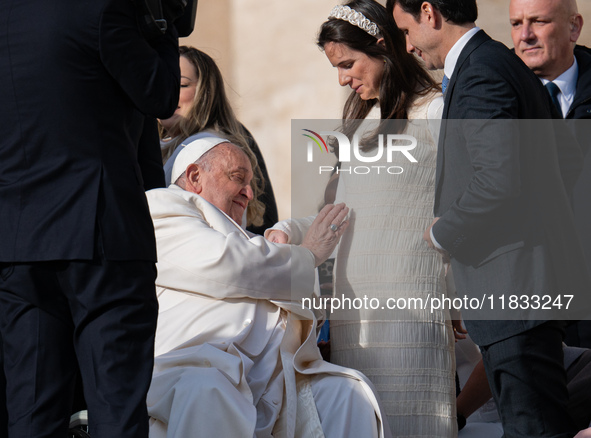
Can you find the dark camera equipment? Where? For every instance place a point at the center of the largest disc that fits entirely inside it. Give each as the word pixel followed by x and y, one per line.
pixel 186 22
pixel 156 16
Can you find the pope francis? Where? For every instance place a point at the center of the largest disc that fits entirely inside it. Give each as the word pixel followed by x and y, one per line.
pixel 236 353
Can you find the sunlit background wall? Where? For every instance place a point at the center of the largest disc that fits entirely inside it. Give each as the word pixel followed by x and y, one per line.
pixel 275 73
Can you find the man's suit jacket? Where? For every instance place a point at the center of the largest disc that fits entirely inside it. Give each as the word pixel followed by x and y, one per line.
pixel 579 119
pixel 579 114
pixel 581 106
pixel 504 213
pixel 73 77
pixel 149 154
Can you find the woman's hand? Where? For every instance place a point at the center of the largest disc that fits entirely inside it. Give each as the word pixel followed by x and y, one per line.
pixel 276 236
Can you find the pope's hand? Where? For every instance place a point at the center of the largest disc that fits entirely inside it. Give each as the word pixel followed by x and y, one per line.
pixel 326 230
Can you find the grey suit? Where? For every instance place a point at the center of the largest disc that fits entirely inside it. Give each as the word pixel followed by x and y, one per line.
pixel 505 219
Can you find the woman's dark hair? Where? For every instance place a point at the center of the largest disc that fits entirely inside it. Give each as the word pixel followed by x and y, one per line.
pixel 455 11
pixel 404 77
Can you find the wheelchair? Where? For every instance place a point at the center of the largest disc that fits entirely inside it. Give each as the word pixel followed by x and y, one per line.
pixel 79 425
pixel 79 419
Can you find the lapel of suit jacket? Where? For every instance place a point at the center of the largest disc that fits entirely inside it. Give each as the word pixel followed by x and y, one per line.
pixel 583 90
pixel 479 38
pixel 476 41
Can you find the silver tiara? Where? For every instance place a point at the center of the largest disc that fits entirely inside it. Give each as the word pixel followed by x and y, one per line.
pixel 355 18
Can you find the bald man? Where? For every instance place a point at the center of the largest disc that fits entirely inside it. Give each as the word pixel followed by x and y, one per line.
pixel 545 33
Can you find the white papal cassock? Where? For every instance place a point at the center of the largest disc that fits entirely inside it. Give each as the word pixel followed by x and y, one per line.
pixel 236 356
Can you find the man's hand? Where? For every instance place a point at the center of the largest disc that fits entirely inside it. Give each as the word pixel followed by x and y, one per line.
pixel 459 331
pixel 326 230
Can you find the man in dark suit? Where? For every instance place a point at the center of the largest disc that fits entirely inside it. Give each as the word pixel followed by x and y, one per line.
pixel 149 154
pixel 496 178
pixel 77 246
pixel 545 33
pixel 3 413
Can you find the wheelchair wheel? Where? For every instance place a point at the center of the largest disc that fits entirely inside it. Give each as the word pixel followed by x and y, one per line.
pixel 79 425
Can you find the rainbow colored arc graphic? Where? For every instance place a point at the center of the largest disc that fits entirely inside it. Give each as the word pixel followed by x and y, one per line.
pixel 316 141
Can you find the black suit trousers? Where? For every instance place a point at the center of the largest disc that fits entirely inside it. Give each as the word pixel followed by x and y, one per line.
pixel 579 390
pixel 99 315
pixel 528 382
pixel 3 414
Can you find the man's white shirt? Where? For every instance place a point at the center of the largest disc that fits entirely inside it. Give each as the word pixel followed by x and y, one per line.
pixel 567 83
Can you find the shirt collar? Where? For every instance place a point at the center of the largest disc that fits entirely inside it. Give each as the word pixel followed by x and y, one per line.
pixel 452 57
pixel 567 81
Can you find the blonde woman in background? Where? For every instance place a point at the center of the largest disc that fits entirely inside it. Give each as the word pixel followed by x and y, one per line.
pixel 204 111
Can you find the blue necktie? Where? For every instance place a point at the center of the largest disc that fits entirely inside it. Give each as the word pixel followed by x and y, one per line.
pixel 444 84
pixel 554 92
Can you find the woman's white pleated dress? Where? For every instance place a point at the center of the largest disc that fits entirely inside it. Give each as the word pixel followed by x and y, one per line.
pixel 408 354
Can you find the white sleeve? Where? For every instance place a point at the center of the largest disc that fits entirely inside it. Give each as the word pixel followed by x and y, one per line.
pixel 194 258
pixel 295 229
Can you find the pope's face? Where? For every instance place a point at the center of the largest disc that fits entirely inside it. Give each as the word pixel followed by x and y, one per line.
pixel 357 70
pixel 543 33
pixel 227 182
